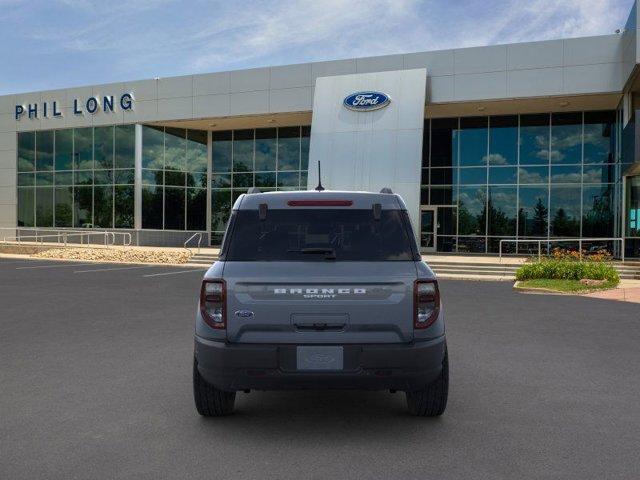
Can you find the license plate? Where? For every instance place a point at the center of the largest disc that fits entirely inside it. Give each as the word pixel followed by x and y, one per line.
pixel 319 358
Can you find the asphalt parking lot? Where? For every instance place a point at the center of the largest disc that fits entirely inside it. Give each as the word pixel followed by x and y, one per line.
pixel 95 382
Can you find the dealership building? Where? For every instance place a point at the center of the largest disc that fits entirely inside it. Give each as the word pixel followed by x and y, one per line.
pixel 519 142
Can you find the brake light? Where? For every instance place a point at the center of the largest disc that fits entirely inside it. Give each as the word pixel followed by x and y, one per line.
pixel 426 303
pixel 320 203
pixel 213 303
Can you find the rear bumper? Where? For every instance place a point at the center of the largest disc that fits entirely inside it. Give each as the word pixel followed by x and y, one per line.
pixel 273 367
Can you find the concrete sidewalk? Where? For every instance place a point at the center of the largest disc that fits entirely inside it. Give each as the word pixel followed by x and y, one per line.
pixel 627 291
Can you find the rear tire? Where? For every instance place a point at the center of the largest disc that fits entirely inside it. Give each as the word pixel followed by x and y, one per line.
pixel 432 401
pixel 210 402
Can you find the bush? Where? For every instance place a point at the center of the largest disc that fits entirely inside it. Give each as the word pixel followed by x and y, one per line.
pixel 567 270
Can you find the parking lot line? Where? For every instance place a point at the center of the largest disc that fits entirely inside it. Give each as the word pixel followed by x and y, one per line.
pixel 117 268
pixel 175 273
pixel 57 266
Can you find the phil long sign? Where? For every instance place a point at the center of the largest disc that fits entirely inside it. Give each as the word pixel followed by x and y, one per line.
pixel 53 109
pixel 366 101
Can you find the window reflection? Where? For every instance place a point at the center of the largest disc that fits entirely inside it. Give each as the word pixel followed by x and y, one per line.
pixel 534 139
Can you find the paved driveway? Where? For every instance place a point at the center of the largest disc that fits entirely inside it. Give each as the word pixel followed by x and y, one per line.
pixel 95 383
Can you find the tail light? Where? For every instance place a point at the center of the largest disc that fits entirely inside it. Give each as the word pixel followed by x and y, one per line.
pixel 213 303
pixel 426 303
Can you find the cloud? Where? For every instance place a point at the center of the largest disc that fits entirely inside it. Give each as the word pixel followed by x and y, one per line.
pixel 81 41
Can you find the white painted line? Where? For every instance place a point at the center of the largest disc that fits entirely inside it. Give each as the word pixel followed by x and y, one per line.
pixel 57 266
pixel 175 273
pixel 116 268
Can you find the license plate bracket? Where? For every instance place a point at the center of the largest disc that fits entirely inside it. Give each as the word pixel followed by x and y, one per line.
pixel 319 358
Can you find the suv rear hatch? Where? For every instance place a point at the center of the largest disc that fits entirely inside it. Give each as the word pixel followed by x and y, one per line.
pixel 319 276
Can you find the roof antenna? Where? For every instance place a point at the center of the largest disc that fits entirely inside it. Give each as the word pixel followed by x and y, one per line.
pixel 319 188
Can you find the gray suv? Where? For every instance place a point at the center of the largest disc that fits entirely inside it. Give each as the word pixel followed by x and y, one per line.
pixel 320 290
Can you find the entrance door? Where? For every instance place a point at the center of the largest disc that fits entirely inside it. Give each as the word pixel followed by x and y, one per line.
pixel 428 229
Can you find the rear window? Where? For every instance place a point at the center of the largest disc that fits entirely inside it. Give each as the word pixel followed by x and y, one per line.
pixel 319 235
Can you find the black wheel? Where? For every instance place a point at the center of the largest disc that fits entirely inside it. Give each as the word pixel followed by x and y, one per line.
pixel 431 401
pixel 210 402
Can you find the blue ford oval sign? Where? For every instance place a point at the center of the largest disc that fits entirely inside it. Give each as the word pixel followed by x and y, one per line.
pixel 366 101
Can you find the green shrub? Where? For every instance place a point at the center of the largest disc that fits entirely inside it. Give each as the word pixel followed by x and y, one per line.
pixel 567 270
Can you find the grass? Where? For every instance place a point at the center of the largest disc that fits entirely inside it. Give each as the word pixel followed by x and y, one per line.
pixel 564 286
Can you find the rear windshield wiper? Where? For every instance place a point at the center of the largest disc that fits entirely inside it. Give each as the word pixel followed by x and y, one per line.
pixel 330 253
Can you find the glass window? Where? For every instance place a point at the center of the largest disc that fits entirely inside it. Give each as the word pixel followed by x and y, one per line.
pixel 26 179
pixel 473 176
pixel 103 147
pixel 564 211
pixel 533 211
pixel 174 204
pixel 304 148
pixel 197 151
pixel 473 141
pixel 501 208
pixel 442 196
pixel 265 179
pixel 64 150
pixel 288 148
pixel 44 207
pixel 26 207
pixel 502 175
pixel 288 179
pixel 243 180
pixel 444 145
pixel 533 175
pixel 44 179
pixel 103 207
pixel 472 210
pixel 124 176
pixel 83 206
pixel 152 207
pixel 175 149
pixel 563 174
pixel 223 181
pixel 123 200
pixel 196 209
pixel 266 145
pixel 351 235
pixel 152 147
pixel 599 140
pixel 632 207
pixel 197 179
pixel 83 148
pixel 221 146
pixel 503 140
pixel 597 211
pixel 605 173
pixel 176 179
pixel 102 177
pixel 26 151
pixel 64 206
pixel 443 176
pixel 220 209
pixel 125 149
pixel 447 221
pixel 44 150
pixel 152 177
pixel 534 139
pixel 566 138
pixel 243 150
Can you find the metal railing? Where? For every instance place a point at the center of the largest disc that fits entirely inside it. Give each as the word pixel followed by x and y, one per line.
pixel 76 237
pixel 197 234
pixel 549 241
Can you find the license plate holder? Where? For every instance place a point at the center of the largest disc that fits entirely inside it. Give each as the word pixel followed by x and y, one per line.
pixel 319 358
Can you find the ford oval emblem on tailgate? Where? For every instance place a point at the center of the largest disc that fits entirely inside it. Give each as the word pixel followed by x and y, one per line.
pixel 244 313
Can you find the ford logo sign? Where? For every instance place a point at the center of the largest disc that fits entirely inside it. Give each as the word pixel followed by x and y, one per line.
pixel 244 313
pixel 366 101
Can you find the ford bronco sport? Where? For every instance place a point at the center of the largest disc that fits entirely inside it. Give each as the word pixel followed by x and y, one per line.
pixel 315 290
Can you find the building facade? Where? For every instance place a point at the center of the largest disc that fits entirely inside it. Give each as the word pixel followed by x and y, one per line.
pixel 491 147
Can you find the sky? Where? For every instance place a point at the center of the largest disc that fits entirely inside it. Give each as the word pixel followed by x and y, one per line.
pixel 48 44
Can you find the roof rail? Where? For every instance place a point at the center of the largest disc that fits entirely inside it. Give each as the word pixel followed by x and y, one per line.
pixel 386 190
pixel 253 190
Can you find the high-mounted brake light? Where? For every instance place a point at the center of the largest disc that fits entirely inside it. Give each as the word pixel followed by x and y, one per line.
pixel 426 303
pixel 320 203
pixel 213 303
